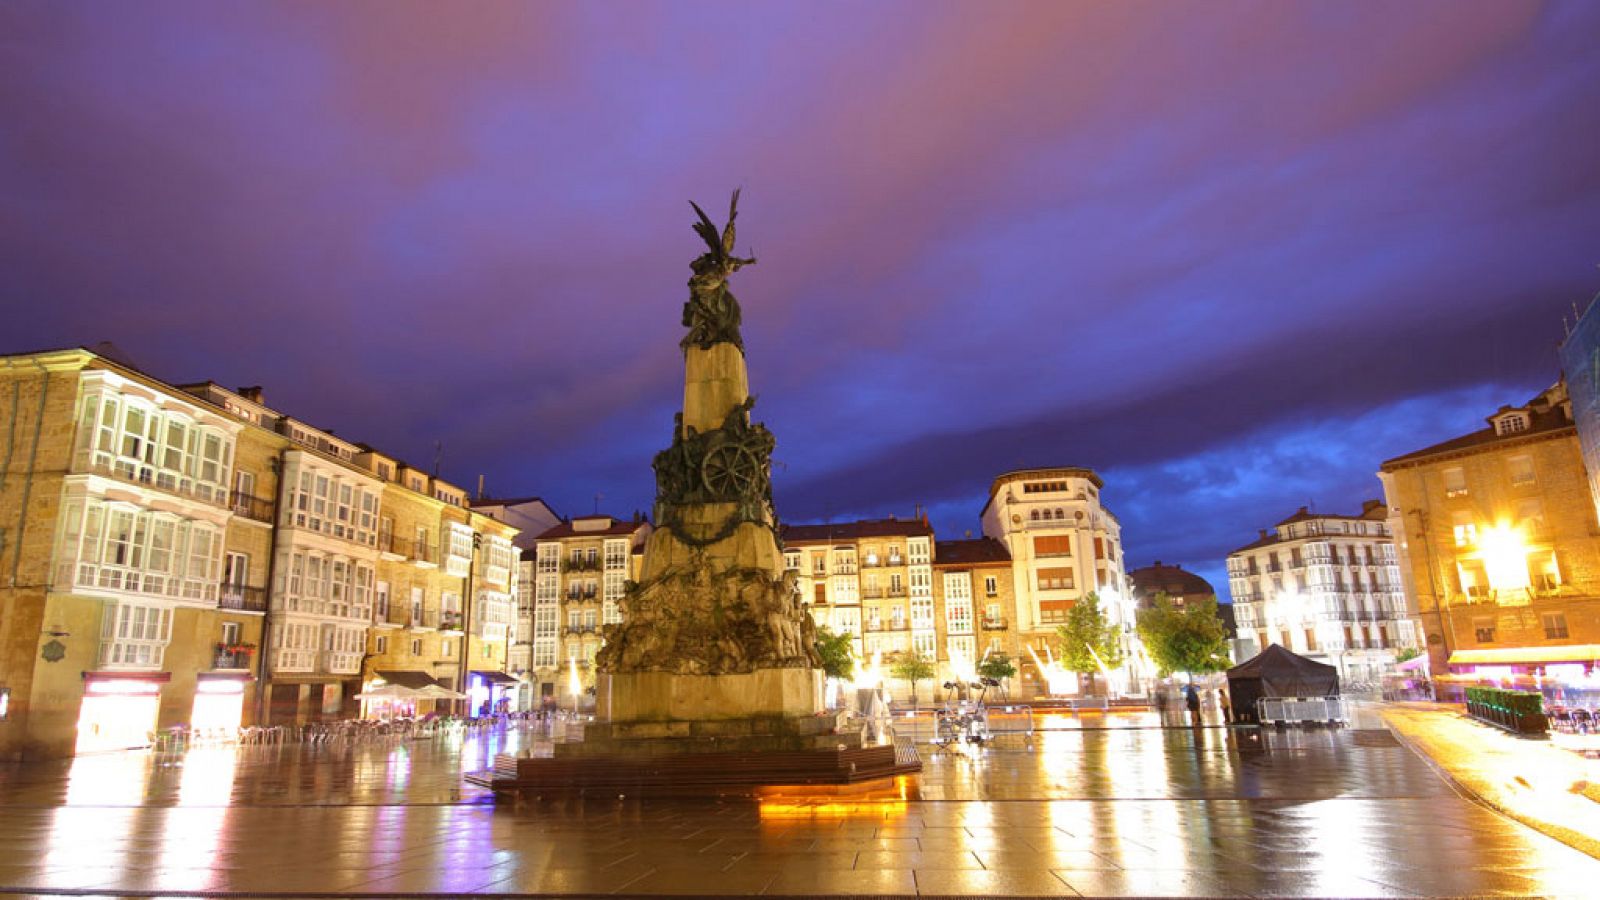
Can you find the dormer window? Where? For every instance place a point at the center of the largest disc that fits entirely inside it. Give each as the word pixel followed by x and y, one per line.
pixel 1514 422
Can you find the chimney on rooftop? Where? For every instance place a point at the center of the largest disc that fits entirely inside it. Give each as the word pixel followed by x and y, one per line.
pixel 1263 532
pixel 251 393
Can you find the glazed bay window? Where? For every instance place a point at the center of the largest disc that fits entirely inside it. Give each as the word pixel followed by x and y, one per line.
pixel 921 613
pixel 499 559
pixel 294 646
pixel 958 602
pixel 919 551
pixel 134 636
pixel 616 555
pixel 324 586
pixel 457 539
pixel 492 618
pixel 330 501
pixel 122 547
pixel 132 439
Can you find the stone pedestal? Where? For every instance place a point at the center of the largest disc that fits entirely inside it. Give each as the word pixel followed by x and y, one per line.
pixel 667 697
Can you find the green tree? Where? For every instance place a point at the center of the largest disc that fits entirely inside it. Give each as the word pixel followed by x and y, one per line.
pixel 1407 654
pixel 999 667
pixel 838 654
pixel 1189 638
pixel 1087 641
pixel 912 666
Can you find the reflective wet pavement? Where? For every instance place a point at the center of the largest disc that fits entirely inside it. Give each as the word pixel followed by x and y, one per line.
pixel 1104 811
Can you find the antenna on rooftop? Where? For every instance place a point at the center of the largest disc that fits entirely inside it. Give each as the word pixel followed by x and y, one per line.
pixel 597 498
pixel 438 456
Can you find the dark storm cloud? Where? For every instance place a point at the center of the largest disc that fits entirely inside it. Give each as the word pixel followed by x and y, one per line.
pixel 1124 235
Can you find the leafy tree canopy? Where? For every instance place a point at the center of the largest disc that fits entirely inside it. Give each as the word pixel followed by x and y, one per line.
pixel 1087 641
pixel 912 666
pixel 838 654
pixel 997 666
pixel 1189 638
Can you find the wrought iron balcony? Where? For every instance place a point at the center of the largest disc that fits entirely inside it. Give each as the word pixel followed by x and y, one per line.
pixel 242 597
pixel 250 506
pixel 450 620
pixel 995 624
pixel 582 565
pixel 876 627
pixel 232 657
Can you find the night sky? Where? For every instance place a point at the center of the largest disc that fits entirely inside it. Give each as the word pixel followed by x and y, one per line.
pixel 1231 255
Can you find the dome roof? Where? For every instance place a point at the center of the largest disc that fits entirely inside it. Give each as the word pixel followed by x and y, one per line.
pixel 1175 580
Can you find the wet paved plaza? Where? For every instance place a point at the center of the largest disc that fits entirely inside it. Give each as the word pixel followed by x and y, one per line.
pixel 1101 811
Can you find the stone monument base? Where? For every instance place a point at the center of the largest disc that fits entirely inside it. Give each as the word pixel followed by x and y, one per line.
pixel 738 756
pixel 668 697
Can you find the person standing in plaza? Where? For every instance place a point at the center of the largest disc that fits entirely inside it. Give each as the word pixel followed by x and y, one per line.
pixel 1224 705
pixel 1191 699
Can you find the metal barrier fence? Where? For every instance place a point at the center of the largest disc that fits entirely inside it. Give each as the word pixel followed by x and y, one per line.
pixel 955 725
pixel 1295 710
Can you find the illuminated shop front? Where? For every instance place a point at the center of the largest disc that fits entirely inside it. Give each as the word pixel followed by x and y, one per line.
pixel 119 710
pixel 1566 675
pixel 218 704
pixel 489 693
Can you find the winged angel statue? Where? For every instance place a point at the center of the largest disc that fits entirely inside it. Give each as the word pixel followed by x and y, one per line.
pixel 712 313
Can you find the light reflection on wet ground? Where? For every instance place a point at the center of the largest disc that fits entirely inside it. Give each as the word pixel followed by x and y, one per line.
pixel 1108 811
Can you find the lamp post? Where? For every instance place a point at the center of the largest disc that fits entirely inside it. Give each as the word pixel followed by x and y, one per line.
pixel 466 622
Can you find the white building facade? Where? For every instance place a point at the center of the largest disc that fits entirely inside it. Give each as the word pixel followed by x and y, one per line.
pixel 1327 587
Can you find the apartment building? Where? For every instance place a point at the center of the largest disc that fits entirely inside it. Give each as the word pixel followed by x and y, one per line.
pixel 1326 586
pixel 579 570
pixel 179 556
pixel 1499 548
pixel 871 579
pixel 975 597
pixel 531 516
pixel 1064 543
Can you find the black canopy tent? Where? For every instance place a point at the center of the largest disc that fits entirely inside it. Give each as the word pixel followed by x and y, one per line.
pixel 1276 672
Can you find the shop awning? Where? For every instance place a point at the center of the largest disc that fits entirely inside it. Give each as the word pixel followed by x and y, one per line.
pixel 495 677
pixel 407 678
pixel 1535 656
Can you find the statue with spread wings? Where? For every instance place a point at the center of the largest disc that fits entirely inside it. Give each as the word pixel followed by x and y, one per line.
pixel 712 313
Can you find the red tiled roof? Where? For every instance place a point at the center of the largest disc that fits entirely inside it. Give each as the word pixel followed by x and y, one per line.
pixel 616 528
pixel 976 552
pixel 851 531
pixel 1543 421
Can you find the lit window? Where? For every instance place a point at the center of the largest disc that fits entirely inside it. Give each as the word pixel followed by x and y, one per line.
pixel 1521 470
pixel 1455 482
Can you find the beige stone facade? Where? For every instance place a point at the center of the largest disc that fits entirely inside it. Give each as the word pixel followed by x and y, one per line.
pixel 575 574
pixel 158 575
pixel 1064 543
pixel 1499 545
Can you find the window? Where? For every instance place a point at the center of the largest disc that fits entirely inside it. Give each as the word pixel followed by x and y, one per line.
pixel 1511 423
pixel 382 612
pixel 896 586
pixel 416 647
pixel 381 645
pixel 236 569
pixel 1055 579
pixel 446 648
pixel 1053 545
pixel 230 633
pixel 1521 470
pixel 1555 626
pixel 1465 529
pixel 1483 630
pixel 1455 482
pixel 991 586
pixel 416 606
pixel 488 651
pixel 1530 516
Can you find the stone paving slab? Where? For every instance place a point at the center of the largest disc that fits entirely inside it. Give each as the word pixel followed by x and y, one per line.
pixel 1108 812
